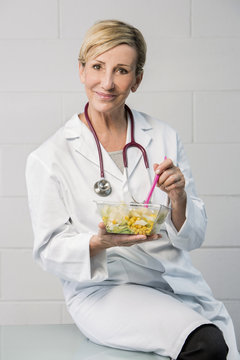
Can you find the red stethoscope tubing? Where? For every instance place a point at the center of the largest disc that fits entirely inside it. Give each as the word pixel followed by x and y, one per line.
pixel 132 143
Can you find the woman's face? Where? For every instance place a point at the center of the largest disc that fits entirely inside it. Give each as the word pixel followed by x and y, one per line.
pixel 109 78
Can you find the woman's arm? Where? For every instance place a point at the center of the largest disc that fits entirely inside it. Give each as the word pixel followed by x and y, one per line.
pixel 172 181
pixel 58 247
pixel 187 222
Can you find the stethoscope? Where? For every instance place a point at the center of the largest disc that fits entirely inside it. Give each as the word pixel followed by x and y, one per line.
pixel 103 187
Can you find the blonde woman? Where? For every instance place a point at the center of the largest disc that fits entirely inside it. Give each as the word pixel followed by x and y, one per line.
pixel 132 292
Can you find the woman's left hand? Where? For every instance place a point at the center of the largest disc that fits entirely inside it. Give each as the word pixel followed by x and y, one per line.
pixel 171 180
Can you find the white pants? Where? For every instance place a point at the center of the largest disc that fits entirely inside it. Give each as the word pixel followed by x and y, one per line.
pixel 136 317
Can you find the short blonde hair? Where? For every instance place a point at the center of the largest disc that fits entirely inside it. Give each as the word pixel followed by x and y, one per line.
pixel 106 34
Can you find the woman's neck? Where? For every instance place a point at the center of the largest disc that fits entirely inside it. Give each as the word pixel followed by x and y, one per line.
pixel 111 128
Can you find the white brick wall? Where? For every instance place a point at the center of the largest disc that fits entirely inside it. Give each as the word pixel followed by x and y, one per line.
pixel 192 81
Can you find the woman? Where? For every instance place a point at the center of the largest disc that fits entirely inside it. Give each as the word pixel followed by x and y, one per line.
pixel 131 292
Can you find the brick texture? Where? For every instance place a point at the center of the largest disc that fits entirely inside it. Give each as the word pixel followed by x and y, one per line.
pixel 191 80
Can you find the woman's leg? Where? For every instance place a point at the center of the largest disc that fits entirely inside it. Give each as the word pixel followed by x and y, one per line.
pixel 204 343
pixel 136 317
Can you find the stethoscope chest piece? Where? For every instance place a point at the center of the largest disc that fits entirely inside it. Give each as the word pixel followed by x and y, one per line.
pixel 102 187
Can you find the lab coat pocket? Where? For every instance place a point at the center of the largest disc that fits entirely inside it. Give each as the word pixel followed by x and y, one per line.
pixel 116 271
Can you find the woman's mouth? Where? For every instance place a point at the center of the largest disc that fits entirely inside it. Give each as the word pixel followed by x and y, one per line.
pixel 105 96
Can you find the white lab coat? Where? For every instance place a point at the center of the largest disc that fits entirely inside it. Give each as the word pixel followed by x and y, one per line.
pixel 60 177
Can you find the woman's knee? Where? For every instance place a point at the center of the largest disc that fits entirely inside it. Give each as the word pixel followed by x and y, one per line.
pixel 204 343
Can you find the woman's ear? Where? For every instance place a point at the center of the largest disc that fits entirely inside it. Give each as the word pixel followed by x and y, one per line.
pixel 138 82
pixel 81 72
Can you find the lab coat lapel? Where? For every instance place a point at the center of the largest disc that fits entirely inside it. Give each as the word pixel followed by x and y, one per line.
pixel 84 143
pixel 142 137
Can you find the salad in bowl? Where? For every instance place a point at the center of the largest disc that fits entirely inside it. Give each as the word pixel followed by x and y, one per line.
pixel 132 218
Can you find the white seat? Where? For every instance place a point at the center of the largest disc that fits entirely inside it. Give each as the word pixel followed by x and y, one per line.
pixel 61 342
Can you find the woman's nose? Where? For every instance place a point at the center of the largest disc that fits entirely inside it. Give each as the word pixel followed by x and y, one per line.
pixel 107 81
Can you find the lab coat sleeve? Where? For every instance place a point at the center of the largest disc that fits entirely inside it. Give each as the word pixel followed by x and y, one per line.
pixel 192 232
pixel 58 248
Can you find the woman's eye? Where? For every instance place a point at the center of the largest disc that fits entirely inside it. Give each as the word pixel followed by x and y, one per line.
pixel 96 66
pixel 122 71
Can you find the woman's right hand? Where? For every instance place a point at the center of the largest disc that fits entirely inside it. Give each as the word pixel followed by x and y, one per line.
pixel 104 240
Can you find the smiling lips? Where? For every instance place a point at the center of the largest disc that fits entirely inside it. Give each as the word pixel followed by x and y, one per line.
pixel 104 96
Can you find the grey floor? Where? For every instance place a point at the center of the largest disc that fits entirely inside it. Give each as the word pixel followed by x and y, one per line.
pixel 58 342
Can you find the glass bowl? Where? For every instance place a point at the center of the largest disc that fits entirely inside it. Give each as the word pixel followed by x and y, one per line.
pixel 131 218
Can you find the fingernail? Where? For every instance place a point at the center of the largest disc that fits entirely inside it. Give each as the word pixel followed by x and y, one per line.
pixel 158 171
pixel 154 237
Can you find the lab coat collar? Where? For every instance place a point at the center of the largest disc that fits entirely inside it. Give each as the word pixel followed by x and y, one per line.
pixel 83 142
